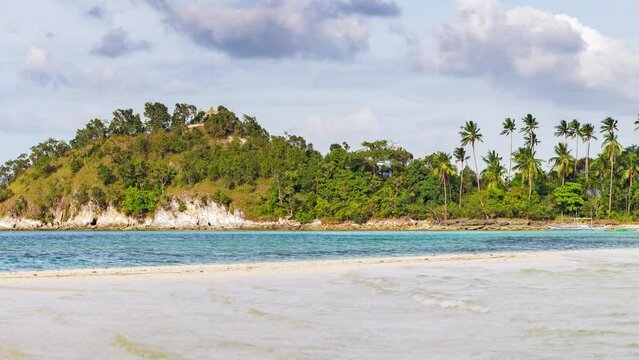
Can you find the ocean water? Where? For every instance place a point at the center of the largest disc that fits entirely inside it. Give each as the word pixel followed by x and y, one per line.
pixel 46 250
pixel 573 305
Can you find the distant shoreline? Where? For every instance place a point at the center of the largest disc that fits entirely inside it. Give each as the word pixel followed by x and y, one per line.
pixel 373 225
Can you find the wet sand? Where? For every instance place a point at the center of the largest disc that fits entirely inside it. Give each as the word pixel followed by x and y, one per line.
pixel 571 304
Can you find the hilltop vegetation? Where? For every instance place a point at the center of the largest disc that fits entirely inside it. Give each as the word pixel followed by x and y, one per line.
pixel 139 165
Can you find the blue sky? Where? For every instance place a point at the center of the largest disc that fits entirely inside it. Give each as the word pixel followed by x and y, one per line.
pixel 330 70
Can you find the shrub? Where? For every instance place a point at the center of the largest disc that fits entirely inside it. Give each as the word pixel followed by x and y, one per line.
pixel 221 198
pixel 81 196
pixel 76 165
pixel 106 175
pixel 181 206
pixel 99 198
pixel 5 193
pixel 19 207
pixel 45 207
pixel 139 202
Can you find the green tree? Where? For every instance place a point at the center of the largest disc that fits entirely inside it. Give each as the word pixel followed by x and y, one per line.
pixel 223 123
pixel 126 123
pixel 444 169
pixel 629 168
pixel 562 161
pixel 527 165
pixel 11 169
pixel 94 130
pixel 612 148
pixel 47 151
pixel 249 127
pixel 460 156
pixel 587 134
pixel 494 171
pixel 139 202
pixel 529 131
pixel 183 114
pixel 569 197
pixel 470 134
pixel 575 132
pixel 157 115
pixel 508 129
pixel 563 129
pixel 161 175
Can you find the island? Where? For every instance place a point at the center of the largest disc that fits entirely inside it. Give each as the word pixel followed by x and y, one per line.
pixel 211 169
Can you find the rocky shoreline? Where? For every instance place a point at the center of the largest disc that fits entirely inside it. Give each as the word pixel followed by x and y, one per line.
pixel 194 215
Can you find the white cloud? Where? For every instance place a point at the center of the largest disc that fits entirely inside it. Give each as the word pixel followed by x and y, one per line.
pixel 36 59
pixel 38 67
pixel 116 43
pixel 533 49
pixel 279 28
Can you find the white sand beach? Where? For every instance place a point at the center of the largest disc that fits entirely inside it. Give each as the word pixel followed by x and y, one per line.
pixel 571 304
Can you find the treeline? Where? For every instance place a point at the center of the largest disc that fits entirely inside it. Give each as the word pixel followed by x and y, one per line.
pixel 136 164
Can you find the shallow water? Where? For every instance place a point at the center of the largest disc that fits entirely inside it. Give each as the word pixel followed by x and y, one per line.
pixel 44 250
pixel 579 305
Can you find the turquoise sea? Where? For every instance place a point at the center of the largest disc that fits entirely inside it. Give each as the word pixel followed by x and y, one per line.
pixel 44 250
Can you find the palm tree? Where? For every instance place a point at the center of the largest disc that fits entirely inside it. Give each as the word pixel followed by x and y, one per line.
pixel 612 148
pixel 494 172
pixel 563 130
pixel 608 125
pixel 630 166
pixel 530 125
pixel 509 128
pixel 470 134
pixel 460 156
pixel 527 165
pixel 443 168
pixel 587 133
pixel 575 131
pixel 637 124
pixel 599 167
pixel 562 161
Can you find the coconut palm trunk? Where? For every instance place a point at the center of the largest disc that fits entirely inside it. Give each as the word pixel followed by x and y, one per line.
pixel 632 178
pixel 461 182
pixel 576 154
pixel 612 171
pixel 445 200
pixel 510 160
pixel 476 168
pixel 587 159
pixel 628 195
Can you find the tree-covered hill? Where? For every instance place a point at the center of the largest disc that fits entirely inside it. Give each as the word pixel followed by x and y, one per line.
pixel 138 165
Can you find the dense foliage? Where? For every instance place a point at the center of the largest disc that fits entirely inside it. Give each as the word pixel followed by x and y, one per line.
pixel 137 165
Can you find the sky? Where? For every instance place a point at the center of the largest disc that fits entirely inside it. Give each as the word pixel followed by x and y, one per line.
pixel 408 71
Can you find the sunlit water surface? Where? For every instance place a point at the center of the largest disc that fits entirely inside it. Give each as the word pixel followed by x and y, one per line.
pixel 66 249
pixel 576 305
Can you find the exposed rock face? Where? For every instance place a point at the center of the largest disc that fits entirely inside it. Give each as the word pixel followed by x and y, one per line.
pixel 112 218
pixel 194 215
pixel 22 224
